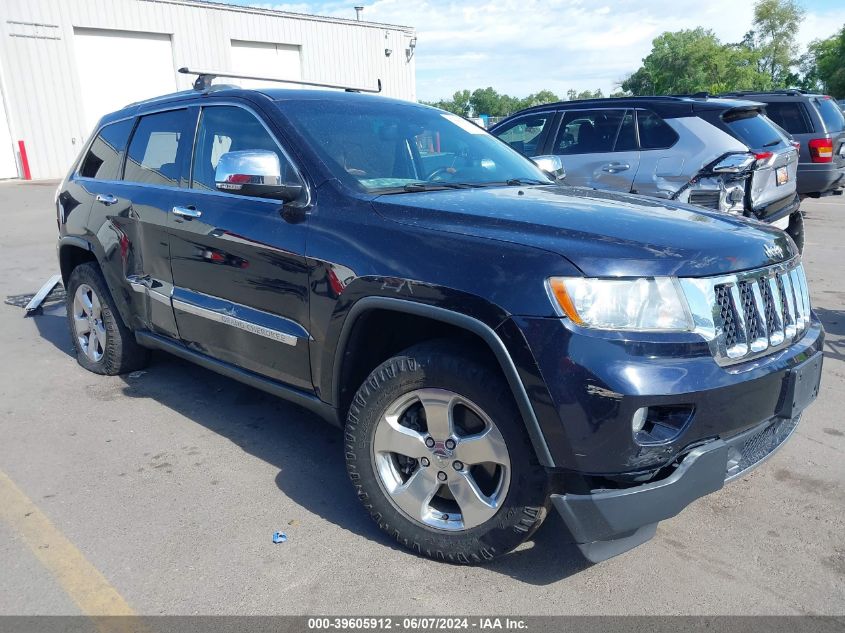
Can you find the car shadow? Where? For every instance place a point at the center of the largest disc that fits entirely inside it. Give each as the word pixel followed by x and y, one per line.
pixel 308 454
pixel 52 326
pixel 834 326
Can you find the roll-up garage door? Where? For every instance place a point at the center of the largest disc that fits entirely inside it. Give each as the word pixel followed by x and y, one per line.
pixel 117 68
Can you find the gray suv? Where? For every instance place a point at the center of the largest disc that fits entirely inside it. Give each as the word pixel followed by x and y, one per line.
pixel 715 153
pixel 818 126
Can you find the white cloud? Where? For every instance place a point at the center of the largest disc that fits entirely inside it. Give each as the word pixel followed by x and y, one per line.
pixel 522 46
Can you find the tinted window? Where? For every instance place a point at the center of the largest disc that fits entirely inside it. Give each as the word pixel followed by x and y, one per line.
pixel 152 156
pixel 626 141
pixel 655 133
pixel 230 129
pixel 103 158
pixel 524 134
pixel 754 130
pixel 588 131
pixel 790 115
pixel 386 145
pixel 831 114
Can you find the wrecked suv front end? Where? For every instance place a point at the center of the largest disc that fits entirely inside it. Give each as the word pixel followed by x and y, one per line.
pixel 662 411
pixel 757 181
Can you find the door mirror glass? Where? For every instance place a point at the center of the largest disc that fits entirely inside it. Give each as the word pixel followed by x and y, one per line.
pixel 254 172
pixel 551 165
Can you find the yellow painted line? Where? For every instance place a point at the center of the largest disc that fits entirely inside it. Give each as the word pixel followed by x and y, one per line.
pixel 82 582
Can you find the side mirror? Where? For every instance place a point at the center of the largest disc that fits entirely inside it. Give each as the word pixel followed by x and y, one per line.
pixel 551 165
pixel 254 172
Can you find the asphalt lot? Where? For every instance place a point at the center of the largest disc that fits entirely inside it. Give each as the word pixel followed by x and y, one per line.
pixel 171 484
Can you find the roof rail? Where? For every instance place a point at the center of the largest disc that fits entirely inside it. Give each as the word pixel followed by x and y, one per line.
pixel 205 77
pixel 778 91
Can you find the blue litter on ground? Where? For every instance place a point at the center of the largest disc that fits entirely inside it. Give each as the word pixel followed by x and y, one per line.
pixel 280 537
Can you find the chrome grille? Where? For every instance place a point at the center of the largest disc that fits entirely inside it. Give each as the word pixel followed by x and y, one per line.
pixel 750 314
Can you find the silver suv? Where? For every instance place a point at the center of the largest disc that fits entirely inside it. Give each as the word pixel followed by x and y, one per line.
pixel 715 153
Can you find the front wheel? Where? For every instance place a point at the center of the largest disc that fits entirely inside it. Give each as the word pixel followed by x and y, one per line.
pixel 439 456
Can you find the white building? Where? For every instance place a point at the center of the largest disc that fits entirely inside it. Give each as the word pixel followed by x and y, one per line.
pixel 64 63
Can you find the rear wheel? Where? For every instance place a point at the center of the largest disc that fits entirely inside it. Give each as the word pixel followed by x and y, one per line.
pixel 439 456
pixel 103 344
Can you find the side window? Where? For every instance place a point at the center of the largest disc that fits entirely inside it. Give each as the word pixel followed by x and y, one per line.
pixel 229 129
pixel 154 149
pixel 790 115
pixel 525 133
pixel 588 131
pixel 626 141
pixel 655 133
pixel 106 152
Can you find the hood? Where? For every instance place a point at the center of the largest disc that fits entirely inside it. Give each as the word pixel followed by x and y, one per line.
pixel 602 233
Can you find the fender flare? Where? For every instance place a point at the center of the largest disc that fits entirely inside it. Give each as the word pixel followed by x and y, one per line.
pixel 479 328
pixel 77 242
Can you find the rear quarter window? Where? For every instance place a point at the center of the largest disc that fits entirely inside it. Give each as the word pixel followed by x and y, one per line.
pixel 830 113
pixel 753 129
pixel 791 116
pixel 102 161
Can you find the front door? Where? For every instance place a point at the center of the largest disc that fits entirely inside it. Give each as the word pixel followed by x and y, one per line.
pixel 239 271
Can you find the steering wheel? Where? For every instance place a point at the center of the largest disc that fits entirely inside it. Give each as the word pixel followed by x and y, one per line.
pixel 436 175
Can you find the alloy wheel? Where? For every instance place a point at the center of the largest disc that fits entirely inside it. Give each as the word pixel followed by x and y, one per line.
pixel 441 460
pixel 90 331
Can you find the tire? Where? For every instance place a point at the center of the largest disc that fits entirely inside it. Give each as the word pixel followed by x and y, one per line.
pixel 103 344
pixel 795 230
pixel 484 420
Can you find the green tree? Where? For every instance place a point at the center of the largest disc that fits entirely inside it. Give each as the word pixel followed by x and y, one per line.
pixel 694 60
pixel 823 66
pixel 776 24
pixel 487 101
pixel 544 96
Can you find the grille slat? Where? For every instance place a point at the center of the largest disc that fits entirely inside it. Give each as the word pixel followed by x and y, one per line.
pixel 753 313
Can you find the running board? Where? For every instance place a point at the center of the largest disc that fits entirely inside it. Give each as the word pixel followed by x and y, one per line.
pixel 304 400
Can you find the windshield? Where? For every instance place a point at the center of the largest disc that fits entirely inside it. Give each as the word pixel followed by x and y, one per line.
pixel 386 147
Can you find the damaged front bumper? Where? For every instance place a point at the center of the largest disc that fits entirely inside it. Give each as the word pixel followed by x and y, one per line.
pixel 605 523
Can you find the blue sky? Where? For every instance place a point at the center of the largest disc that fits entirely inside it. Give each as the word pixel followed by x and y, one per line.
pixel 523 46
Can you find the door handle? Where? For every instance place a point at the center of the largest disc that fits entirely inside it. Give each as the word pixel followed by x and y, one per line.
pixel 106 199
pixel 612 168
pixel 187 212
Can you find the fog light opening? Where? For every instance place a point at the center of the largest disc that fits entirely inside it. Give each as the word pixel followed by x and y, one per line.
pixel 660 424
pixel 638 421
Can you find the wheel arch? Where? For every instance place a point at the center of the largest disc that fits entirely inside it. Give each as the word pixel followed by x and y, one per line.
pixel 456 322
pixel 74 251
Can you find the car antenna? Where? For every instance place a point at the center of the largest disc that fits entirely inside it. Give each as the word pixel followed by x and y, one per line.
pixel 205 77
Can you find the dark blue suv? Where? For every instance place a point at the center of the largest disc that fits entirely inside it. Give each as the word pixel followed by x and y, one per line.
pixel 492 343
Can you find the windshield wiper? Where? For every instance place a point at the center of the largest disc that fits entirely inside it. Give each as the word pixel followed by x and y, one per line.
pixel 516 182
pixel 435 186
pixel 772 143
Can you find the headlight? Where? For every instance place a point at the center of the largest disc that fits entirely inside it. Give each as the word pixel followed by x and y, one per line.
pixel 622 304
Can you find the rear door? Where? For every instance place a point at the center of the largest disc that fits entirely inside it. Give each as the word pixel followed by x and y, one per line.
pixel 239 270
pixel 598 148
pixel 130 215
pixel 661 161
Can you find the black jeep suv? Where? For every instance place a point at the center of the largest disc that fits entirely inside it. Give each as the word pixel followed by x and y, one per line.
pixel 492 343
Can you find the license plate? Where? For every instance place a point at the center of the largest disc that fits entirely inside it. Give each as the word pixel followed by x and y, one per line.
pixel 801 387
pixel 782 175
